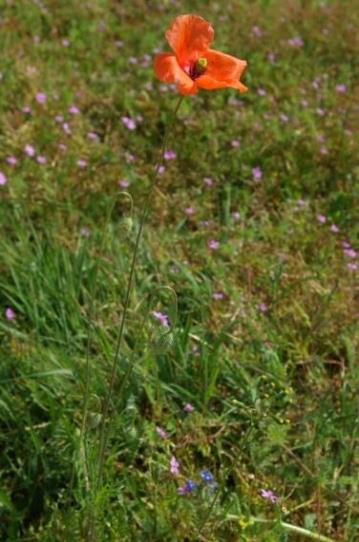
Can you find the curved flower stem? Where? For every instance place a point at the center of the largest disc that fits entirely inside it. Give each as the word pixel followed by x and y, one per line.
pixel 107 400
pixel 289 527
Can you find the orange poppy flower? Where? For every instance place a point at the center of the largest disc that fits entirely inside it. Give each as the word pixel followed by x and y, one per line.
pixel 194 65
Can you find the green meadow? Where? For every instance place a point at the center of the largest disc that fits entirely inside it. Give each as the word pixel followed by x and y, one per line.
pixel 228 410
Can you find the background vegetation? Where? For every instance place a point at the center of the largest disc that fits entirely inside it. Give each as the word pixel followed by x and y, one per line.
pixel 249 256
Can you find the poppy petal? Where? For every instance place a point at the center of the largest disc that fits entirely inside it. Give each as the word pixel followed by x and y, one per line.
pixel 168 70
pixel 209 83
pixel 189 37
pixel 222 71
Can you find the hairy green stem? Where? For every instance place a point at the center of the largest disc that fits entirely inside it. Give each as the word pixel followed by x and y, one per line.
pixel 107 400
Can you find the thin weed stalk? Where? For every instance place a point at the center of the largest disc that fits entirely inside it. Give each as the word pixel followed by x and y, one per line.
pixel 104 427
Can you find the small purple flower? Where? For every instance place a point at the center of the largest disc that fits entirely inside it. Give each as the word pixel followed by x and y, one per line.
pixel 271 57
pixel 189 211
pixel 188 408
pixel 257 173
pixel 26 109
pixel 341 88
pixel 161 317
pixel 235 143
pixel 261 91
pixel 59 118
pixel 128 123
pixel 236 216
pixel 352 266
pixel 11 160
pixel 3 179
pixel 169 155
pixel 296 42
pixel 29 150
pixel 66 128
pixel 65 42
pixel 41 160
pixel 92 136
pixel 321 218
pixel 283 117
pixel 62 147
pixel 350 252
pixel 40 98
pixel 174 466
pixel 85 232
pixel 301 202
pixel 262 307
pixel 81 163
pixel 345 244
pixel 269 495
pixel 213 244
pixel 256 31
pixel 9 314
pixel 218 296
pixel 207 181
pixel 161 432
pixel 320 111
pixel 123 183
pixel 161 170
pixel 334 228
pixel 74 110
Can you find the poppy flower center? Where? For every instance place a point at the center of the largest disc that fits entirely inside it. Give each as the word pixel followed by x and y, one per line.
pixel 195 69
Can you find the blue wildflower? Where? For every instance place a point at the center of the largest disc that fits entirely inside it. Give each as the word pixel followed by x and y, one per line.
pixel 206 476
pixel 190 485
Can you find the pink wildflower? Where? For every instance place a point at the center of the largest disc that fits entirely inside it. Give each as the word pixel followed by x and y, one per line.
pixel 74 110
pixel 213 244
pixel 174 466
pixel 269 495
pixel 9 314
pixel 123 183
pixel 29 150
pixel 161 432
pixel 189 211
pixel 40 98
pixel 257 173
pixel 169 155
pixel 11 160
pixel 161 317
pixel 128 123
